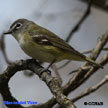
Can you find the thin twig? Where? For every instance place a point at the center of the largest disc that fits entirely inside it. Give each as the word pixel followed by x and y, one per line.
pixel 101 4
pixel 89 51
pixel 65 64
pixel 78 25
pixel 54 68
pixel 91 89
pixel 3 49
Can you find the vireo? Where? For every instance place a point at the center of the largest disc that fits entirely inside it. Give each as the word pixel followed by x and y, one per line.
pixel 42 44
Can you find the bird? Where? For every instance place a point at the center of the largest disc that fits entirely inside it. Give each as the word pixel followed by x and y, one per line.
pixel 44 45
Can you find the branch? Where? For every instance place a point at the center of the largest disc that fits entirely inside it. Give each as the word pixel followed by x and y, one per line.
pixel 77 26
pixel 32 65
pixel 89 51
pixel 101 4
pixel 57 73
pixel 79 77
pixel 65 64
pixel 91 89
pixel 2 47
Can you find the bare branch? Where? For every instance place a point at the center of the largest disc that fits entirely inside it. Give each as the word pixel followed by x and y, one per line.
pixel 101 4
pixel 79 77
pixel 65 64
pixel 89 51
pixel 32 65
pixel 91 89
pixel 77 26
pixel 99 46
pixel 2 47
pixel 57 73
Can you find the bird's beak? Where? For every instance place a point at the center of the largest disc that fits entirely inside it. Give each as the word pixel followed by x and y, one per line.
pixel 8 32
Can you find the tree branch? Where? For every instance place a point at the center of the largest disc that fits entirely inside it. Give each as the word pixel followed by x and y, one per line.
pixel 101 4
pixel 77 26
pixel 65 64
pixel 80 76
pixel 56 72
pixel 91 89
pixel 32 65
pixel 89 51
pixel 2 47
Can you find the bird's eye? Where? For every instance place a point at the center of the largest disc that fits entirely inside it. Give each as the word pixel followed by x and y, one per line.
pixel 18 25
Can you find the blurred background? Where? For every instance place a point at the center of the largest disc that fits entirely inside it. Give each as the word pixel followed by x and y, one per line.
pixel 59 16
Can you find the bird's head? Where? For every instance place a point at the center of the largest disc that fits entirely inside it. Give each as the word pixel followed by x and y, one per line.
pixel 20 26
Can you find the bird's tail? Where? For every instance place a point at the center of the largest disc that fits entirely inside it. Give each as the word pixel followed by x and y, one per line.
pixel 93 62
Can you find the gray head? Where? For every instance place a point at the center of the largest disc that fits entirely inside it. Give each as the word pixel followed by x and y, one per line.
pixel 19 26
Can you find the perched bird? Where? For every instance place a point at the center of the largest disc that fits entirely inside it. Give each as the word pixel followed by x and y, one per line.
pixel 42 44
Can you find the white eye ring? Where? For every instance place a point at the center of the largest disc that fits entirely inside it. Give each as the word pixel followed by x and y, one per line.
pixel 18 25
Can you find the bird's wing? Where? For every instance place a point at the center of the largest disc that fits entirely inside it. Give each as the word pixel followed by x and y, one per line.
pixel 45 37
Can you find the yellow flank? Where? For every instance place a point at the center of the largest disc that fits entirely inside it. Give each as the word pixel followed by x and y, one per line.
pixel 44 53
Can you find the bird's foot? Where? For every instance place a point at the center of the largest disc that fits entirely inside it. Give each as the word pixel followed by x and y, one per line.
pixel 44 70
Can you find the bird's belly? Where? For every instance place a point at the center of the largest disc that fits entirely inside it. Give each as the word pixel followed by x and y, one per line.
pixel 37 52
